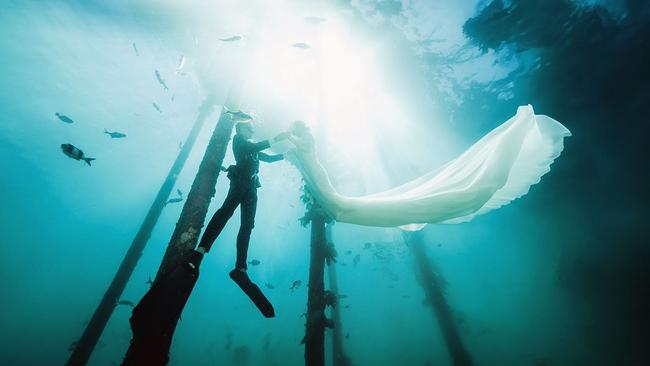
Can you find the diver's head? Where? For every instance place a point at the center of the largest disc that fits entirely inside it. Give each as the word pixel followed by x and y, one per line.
pixel 245 129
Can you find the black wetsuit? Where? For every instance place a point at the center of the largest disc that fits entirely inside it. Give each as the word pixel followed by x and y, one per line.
pixel 243 191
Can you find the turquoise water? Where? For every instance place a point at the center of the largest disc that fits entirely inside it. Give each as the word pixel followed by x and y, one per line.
pixel 391 89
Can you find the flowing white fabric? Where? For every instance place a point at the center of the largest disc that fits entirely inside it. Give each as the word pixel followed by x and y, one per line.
pixel 497 169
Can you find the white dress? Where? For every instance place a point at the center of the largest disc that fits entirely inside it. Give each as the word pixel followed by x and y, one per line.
pixel 497 169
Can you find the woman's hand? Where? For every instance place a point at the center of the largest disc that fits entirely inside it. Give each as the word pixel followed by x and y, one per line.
pixel 281 136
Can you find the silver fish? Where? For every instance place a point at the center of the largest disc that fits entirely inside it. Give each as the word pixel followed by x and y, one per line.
pixel 230 39
pixel 181 63
pixel 238 116
pixel 64 118
pixel 296 284
pixel 115 135
pixel 160 80
pixel 177 199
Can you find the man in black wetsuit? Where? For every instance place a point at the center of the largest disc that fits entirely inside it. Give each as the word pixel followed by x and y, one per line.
pixel 243 191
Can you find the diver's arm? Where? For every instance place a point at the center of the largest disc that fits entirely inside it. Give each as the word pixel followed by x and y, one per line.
pixel 245 146
pixel 269 158
pixel 267 143
pixel 259 146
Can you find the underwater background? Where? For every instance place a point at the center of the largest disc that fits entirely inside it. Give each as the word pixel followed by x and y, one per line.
pixel 391 89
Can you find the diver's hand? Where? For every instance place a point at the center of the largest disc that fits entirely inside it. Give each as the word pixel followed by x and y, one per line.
pixel 281 136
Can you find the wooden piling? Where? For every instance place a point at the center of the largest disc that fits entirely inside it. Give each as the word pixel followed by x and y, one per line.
pixel 433 286
pixel 155 317
pixel 316 321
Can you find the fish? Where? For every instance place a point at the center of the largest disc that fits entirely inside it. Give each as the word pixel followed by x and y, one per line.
pixel 64 118
pixel 314 20
pixel 126 302
pixel 181 63
pixel 180 145
pixel 367 245
pixel 269 286
pixel 296 284
pixel 75 153
pixel 135 48
pixel 115 135
pixel 346 307
pixel 177 199
pixel 254 262
pixel 347 335
pixel 230 39
pixel 149 281
pixel 157 107
pixel 173 97
pixel 356 259
pixel 160 80
pixel 238 116
pixel 348 252
pixel 342 296
pixel 300 45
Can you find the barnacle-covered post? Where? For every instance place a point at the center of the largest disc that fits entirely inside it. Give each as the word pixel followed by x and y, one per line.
pixel 434 290
pixel 317 298
pixel 155 317
pixel 338 355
